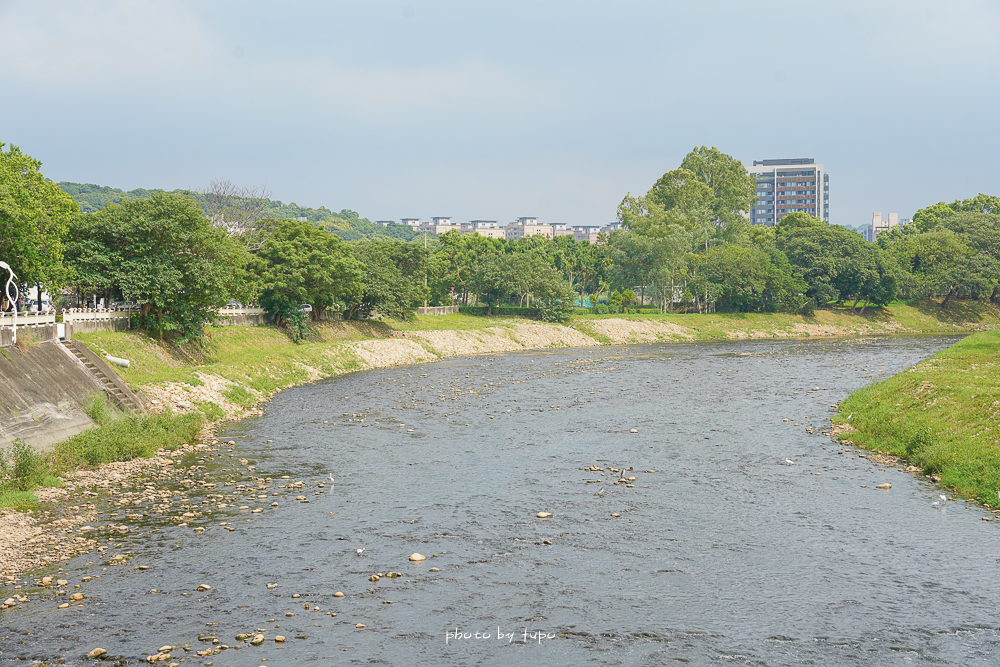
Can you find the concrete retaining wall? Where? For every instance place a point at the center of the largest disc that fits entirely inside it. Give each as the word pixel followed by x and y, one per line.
pixel 437 310
pixel 241 317
pixel 42 390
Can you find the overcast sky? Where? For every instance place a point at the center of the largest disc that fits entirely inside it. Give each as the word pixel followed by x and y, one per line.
pixel 480 110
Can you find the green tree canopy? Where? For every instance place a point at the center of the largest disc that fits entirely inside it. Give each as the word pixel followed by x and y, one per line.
pixel 834 261
pixel 34 216
pixel 393 278
pixel 162 254
pixel 301 263
pixel 750 280
pixel 928 217
pixel 733 189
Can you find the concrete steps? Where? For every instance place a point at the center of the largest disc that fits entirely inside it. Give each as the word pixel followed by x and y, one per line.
pixel 121 396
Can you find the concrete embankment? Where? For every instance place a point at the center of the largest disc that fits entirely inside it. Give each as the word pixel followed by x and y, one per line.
pixel 45 386
pixel 42 390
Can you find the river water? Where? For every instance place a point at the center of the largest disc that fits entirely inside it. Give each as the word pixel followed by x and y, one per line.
pixel 752 541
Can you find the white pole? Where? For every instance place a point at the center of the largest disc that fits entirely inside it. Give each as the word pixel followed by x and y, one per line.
pixel 11 299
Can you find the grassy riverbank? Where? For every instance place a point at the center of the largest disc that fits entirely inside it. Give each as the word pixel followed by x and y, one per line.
pixel 238 367
pixel 941 415
pixel 258 361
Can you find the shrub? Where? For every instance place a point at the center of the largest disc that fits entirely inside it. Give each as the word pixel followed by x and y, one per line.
pixel 21 467
pixel 131 437
pixel 97 409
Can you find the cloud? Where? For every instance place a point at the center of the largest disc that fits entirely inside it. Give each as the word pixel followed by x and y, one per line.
pixel 83 44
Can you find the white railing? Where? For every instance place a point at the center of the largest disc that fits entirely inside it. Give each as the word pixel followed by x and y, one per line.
pixel 23 320
pixel 26 319
pixel 85 314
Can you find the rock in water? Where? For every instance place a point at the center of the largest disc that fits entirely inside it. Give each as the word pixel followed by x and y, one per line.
pixel 97 653
pixel 544 515
pixel 417 557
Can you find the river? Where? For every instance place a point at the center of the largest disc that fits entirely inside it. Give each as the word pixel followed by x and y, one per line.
pixel 751 541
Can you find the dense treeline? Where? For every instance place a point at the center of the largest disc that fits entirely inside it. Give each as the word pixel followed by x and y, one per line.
pixel 180 256
pixel 347 223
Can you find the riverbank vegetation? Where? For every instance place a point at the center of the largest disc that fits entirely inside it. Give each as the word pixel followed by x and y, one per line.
pixel 942 415
pixel 235 368
pixel 262 360
pixel 685 245
pixel 116 437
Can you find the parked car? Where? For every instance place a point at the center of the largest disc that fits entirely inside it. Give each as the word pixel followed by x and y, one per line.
pixel 305 308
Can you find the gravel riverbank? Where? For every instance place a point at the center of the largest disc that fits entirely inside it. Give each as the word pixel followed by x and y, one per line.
pixel 59 530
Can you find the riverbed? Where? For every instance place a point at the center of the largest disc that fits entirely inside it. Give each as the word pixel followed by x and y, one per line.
pixel 746 537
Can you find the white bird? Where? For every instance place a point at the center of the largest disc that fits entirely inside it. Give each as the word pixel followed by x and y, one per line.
pixel 360 551
pixel 937 503
pixel 331 482
pixel 789 462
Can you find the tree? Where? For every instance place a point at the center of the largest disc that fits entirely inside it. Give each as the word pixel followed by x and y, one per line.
pixel 682 189
pixel 393 278
pixel 930 262
pixel 162 254
pixel 301 263
pixel 834 261
pixel 750 280
pixel 733 189
pixel 798 220
pixel 240 211
pixel 928 217
pixel 662 244
pixel 980 275
pixel 34 216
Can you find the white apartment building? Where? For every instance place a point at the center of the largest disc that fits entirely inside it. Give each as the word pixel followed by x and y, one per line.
pixel 788 186
pixel 528 226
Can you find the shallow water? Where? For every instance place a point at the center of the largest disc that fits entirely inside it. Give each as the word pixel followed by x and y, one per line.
pixel 725 554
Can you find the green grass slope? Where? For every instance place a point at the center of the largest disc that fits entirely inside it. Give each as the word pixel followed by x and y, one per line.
pixel 941 415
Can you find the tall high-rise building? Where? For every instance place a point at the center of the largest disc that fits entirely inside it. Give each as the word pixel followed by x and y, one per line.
pixel 786 186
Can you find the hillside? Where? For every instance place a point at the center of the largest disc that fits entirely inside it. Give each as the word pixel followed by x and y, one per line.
pixel 346 224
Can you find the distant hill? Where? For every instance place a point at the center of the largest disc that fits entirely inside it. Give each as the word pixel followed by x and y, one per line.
pixel 346 224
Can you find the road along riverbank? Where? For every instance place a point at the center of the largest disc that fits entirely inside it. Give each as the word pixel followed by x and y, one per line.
pixel 939 418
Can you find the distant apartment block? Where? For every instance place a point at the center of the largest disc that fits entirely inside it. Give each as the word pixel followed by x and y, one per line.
pixel 438 225
pixel 488 228
pixel 524 227
pixel 880 224
pixel 788 186
pixel 520 228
